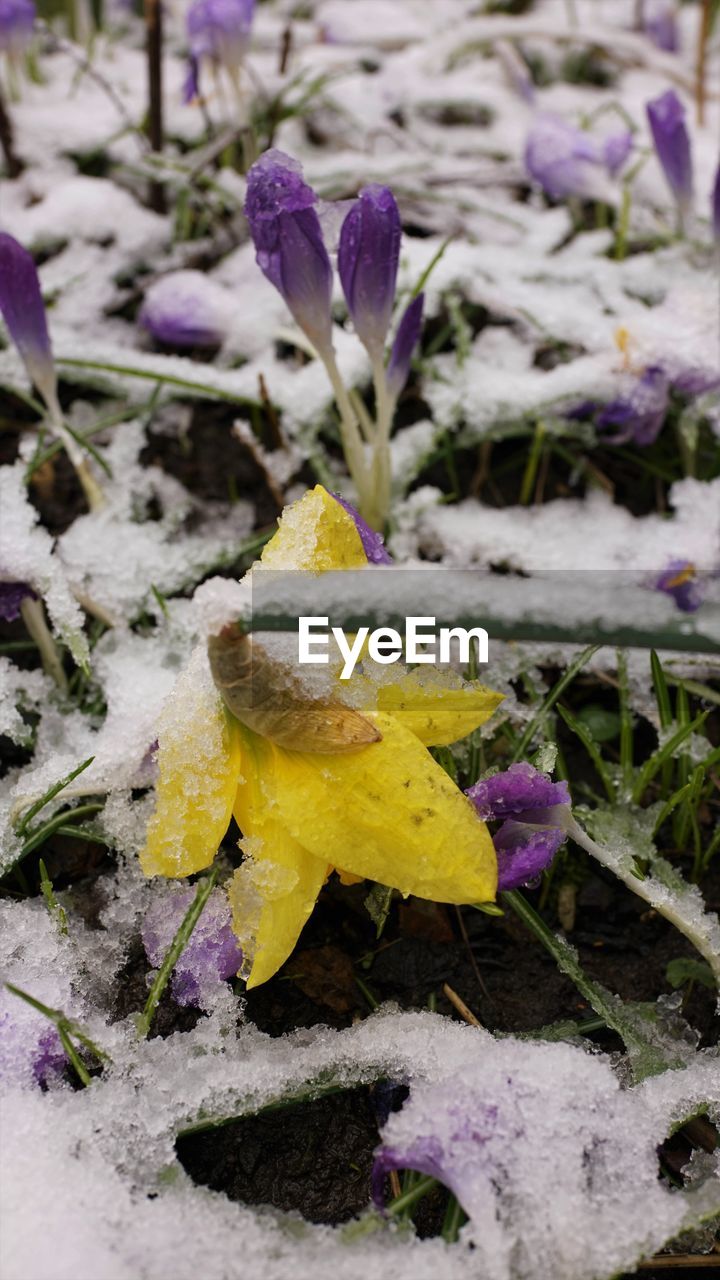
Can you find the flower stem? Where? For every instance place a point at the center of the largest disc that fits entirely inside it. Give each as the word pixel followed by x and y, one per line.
pixel 349 432
pixel 93 493
pixel 384 406
pixel 33 615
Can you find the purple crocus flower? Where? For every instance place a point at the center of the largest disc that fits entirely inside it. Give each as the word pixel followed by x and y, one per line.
pixel 289 245
pixel 452 1134
pixel 534 812
pixel 372 542
pixel 49 1059
pixel 566 161
pixel 406 340
pixel 212 954
pixel 12 595
pixel 368 256
pixel 661 26
pixel 186 309
pixel 639 414
pixel 24 314
pixel 666 116
pixel 218 30
pixel 30 1048
pixel 680 581
pixel 17 19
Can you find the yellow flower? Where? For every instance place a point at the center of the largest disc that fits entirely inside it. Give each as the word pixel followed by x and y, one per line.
pixel 386 811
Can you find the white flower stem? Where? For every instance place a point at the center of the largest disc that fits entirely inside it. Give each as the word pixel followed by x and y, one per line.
pixel 663 899
pixel 352 443
pixel 33 615
pixel 384 408
pixel 93 493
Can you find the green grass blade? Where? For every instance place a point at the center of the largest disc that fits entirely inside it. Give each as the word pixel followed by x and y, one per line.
pixel 50 794
pixel 591 746
pixel 177 946
pixel 551 698
pixel 651 766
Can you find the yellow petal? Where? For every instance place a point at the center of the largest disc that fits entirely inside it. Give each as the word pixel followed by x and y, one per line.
pixel 315 534
pixel 199 760
pixel 387 812
pixel 437 711
pixel 274 891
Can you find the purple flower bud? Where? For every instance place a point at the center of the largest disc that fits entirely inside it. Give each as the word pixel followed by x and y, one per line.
pixel 220 30
pixel 211 956
pixel 566 161
pixel 406 340
pixel 186 309
pixel 666 116
pixel 17 19
pixel 715 207
pixel 638 415
pixel 661 27
pixel 368 257
pixel 12 595
pixel 680 581
pixel 616 150
pixel 24 314
pixel 535 810
pixel 289 245
pixel 373 543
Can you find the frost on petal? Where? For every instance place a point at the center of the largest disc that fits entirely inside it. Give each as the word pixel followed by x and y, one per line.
pixel 211 955
pixel 186 309
pixel 387 812
pixel 315 533
pixel 515 791
pixel 199 763
pixel 437 710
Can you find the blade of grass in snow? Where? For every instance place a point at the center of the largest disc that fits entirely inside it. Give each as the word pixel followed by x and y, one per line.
pixel 56 911
pixel 175 950
pixel 651 766
pixel 591 746
pixel 68 1030
pixel 551 698
pixel 206 390
pixel 50 794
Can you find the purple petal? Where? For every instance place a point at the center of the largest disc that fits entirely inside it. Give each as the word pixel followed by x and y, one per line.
pixel 368 256
pixel 12 595
pixel 424 1155
pixel 24 313
pixel 679 580
pixel 640 414
pixel 468 1124
pixel 191 84
pixel 186 309
pixel 518 790
pixel 715 207
pixel 17 19
pixel 563 160
pixel 666 116
pixel 406 340
pixel 662 29
pixel 524 851
pixel 616 150
pixel 373 543
pixel 289 244
pixel 220 30
pixel 696 381
pixel 49 1059
pixel 212 954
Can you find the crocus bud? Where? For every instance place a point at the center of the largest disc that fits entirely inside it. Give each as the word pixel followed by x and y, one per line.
pixel 406 340
pixel 715 207
pixel 24 314
pixel 289 246
pixel 368 257
pixel 218 30
pixel 566 161
pixel 661 26
pixel 17 19
pixel 534 813
pixel 666 116
pixel 186 309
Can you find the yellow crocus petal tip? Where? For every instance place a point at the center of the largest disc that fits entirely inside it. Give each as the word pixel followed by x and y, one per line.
pixel 439 708
pixel 199 765
pixel 315 534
